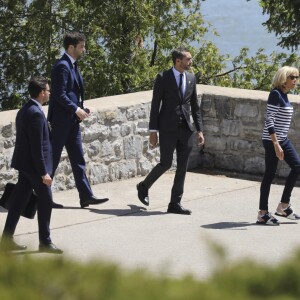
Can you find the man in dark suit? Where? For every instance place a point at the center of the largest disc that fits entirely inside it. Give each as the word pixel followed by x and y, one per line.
pixel 32 157
pixel 174 102
pixel 65 113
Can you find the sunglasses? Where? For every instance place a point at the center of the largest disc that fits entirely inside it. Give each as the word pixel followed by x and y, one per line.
pixel 293 77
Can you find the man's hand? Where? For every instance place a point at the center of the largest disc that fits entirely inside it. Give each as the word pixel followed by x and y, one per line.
pixel 153 140
pixel 47 179
pixel 83 113
pixel 200 137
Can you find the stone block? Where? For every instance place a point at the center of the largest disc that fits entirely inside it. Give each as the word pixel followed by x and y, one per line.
pixel 208 107
pixel 8 131
pixel 144 167
pixel 213 143
pixel 9 143
pixel 211 127
pixel 246 110
pixel 125 129
pixel 90 134
pixel 93 149
pixel 135 113
pixel 115 131
pixel 59 182
pixel 122 170
pixel 98 173
pixel 229 162
pixel 103 131
pixel 118 149
pixel 133 147
pixel 230 127
pixel 106 149
pixel 254 165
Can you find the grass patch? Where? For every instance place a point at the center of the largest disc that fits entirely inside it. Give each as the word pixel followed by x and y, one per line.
pixel 25 277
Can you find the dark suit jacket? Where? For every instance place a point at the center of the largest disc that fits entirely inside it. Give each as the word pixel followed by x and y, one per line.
pixel 66 91
pixel 33 151
pixel 166 102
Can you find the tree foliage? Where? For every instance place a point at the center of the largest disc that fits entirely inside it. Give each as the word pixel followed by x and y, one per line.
pixel 128 42
pixel 284 20
pixel 246 72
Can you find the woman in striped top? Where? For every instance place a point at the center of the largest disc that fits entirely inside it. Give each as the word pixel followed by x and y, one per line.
pixel 278 146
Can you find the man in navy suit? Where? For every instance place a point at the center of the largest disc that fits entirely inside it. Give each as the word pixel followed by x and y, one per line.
pixel 32 157
pixel 65 113
pixel 174 102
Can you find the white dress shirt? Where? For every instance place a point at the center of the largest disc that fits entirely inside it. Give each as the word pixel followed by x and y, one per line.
pixel 177 77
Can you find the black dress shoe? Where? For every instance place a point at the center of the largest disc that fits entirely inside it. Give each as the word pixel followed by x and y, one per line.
pixel 56 205
pixel 143 193
pixel 8 244
pixel 49 248
pixel 176 208
pixel 91 200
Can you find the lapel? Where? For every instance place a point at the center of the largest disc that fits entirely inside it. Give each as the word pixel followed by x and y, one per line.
pixel 73 73
pixel 42 112
pixel 188 84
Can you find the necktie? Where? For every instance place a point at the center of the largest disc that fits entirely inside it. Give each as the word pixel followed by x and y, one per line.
pixel 76 70
pixel 180 86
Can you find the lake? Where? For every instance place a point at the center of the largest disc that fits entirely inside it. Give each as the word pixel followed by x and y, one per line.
pixel 239 24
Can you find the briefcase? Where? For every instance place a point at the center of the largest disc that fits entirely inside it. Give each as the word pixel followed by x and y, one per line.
pixel 29 211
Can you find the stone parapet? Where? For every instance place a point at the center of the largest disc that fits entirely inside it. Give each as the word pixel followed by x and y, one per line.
pixel 115 137
pixel 233 122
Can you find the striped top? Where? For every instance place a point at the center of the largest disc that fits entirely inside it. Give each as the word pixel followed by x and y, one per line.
pixel 278 116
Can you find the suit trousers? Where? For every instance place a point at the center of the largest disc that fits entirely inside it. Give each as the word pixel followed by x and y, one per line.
pixel 271 162
pixel 180 140
pixel 70 137
pixel 20 196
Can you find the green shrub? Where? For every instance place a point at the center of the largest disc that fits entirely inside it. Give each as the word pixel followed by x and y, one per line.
pixel 30 278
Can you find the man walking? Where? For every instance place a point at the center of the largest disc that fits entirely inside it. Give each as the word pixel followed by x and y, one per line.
pixel 66 111
pixel 32 157
pixel 174 101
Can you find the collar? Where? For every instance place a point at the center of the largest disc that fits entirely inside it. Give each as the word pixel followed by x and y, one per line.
pixel 71 58
pixel 177 73
pixel 38 103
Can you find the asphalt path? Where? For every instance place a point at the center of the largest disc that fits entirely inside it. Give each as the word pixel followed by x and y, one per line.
pixel 125 232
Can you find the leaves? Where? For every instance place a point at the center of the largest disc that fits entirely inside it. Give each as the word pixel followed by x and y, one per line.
pixel 284 20
pixel 128 43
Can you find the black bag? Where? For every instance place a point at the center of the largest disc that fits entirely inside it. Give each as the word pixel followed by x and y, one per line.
pixel 30 209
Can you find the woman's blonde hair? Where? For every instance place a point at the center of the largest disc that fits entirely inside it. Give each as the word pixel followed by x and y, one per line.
pixel 282 74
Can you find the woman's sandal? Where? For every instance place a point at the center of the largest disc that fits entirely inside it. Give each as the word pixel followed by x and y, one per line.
pixel 267 219
pixel 287 213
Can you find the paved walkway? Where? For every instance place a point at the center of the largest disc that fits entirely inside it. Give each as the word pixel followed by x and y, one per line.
pixel 125 232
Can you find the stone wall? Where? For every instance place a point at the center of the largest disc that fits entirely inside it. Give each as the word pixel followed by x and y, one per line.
pixel 115 138
pixel 233 122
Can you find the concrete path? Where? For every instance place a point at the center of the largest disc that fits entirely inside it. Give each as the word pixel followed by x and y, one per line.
pixel 125 232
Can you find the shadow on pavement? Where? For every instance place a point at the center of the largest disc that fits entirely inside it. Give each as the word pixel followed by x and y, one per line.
pixel 138 211
pixel 238 225
pixel 24 252
pixel 228 225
